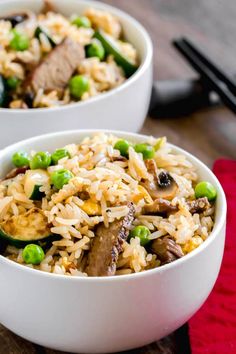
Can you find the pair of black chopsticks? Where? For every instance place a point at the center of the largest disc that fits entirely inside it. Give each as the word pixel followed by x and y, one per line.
pixel 214 78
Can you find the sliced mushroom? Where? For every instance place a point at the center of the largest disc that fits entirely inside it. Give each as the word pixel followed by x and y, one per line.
pixel 162 186
pixel 15 19
pixel 166 249
pixel 118 158
pixel 159 206
pixel 152 168
pixel 163 206
pixel 16 171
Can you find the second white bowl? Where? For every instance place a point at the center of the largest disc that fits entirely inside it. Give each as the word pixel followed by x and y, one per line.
pixel 122 108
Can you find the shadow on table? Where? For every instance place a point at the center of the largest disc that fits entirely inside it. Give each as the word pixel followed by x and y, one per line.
pixel 175 343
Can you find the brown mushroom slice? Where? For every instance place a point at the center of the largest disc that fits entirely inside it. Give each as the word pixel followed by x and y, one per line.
pixel 163 184
pixel 152 168
pixel 15 18
pixel 166 249
pixel 118 158
pixel 163 206
pixel 198 205
pixel 159 206
pixel 16 171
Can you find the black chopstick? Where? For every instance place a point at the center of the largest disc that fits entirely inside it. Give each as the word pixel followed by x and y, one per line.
pixel 208 73
pixel 212 66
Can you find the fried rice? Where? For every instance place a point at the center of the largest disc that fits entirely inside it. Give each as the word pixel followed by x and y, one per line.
pixel 103 184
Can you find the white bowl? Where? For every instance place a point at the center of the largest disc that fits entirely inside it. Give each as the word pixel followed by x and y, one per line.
pixel 124 107
pixel 108 314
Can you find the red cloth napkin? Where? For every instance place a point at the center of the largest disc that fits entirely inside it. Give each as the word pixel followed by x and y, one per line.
pixel 213 329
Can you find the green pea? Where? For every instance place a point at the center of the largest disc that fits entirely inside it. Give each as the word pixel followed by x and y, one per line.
pixel 40 160
pixel 78 85
pixel 33 254
pixel 61 177
pixel 141 232
pixel 205 189
pixel 95 49
pixel 82 21
pixel 146 150
pixel 20 159
pixel 123 147
pixel 12 82
pixel 19 42
pixel 58 155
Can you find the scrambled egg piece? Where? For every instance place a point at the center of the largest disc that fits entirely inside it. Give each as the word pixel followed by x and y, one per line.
pixel 74 186
pixel 193 243
pixel 91 208
pixel 142 193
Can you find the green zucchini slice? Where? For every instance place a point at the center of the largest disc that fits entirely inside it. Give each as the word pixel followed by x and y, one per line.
pixel 34 179
pixel 2 91
pixel 30 227
pixel 111 48
pixel 37 33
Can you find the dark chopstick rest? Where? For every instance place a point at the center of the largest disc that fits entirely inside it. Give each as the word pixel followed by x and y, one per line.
pixel 178 98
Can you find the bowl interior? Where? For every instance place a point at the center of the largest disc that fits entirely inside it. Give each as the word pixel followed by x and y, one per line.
pixel 50 142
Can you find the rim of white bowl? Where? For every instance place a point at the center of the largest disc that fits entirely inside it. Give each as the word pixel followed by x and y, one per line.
pixel 126 277
pixel 143 66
